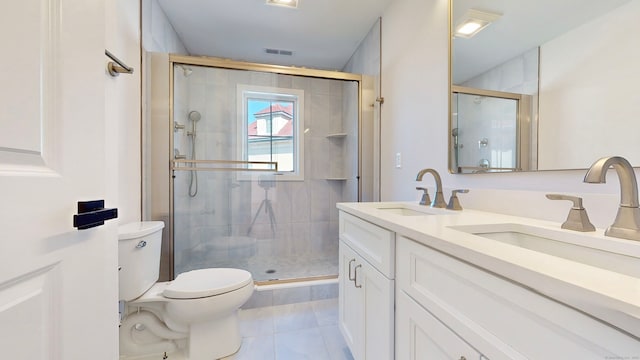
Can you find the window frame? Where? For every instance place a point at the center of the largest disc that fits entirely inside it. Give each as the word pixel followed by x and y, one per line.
pixel 246 92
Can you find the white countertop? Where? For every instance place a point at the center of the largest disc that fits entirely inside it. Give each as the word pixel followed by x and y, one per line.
pixel 604 294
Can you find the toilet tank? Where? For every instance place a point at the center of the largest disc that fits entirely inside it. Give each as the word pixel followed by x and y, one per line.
pixel 139 246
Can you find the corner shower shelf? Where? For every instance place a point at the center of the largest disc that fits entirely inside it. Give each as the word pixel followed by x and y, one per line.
pixel 337 136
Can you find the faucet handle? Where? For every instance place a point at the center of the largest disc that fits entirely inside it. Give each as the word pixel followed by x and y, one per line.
pixel 425 196
pixel 454 202
pixel 577 219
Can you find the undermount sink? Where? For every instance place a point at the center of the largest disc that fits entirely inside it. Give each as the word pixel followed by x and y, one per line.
pixel 397 210
pixel 573 246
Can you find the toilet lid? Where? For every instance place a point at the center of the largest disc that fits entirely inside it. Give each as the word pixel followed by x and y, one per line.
pixel 206 282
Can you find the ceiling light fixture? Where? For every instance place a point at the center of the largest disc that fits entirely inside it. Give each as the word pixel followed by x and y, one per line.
pixel 474 21
pixel 285 3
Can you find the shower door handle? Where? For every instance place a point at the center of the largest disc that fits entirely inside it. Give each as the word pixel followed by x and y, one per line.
pixel 352 278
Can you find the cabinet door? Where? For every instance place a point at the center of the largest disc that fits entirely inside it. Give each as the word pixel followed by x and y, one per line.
pixel 379 311
pixel 419 335
pixel 351 309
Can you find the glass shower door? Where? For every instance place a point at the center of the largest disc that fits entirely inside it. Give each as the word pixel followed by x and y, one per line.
pixel 484 133
pixel 231 207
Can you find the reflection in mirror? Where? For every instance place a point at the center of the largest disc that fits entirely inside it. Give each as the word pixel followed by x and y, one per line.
pixel 569 72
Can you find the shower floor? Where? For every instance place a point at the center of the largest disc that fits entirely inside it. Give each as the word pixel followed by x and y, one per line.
pixel 263 267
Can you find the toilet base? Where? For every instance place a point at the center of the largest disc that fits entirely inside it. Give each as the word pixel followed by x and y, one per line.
pixel 215 339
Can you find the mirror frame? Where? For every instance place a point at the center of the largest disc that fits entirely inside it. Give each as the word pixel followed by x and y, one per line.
pixel 450 114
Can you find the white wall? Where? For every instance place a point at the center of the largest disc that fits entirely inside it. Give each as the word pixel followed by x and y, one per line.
pixel 366 61
pixel 123 111
pixel 414 122
pixel 157 33
pixel 158 36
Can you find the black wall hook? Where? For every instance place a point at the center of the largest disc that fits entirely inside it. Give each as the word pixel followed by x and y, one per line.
pixel 92 214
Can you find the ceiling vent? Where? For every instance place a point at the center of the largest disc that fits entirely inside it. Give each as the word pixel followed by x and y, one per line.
pixel 279 52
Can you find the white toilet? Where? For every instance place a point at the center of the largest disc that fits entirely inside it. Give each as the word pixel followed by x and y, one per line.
pixel 195 314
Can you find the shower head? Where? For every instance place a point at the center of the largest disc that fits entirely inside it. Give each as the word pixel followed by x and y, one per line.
pixel 194 116
pixel 186 71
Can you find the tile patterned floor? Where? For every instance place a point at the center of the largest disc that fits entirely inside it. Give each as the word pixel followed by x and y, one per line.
pixel 297 331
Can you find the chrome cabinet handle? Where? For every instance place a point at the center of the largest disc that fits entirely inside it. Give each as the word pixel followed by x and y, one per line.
pixel 462 358
pixel 141 244
pixel 355 277
pixel 352 278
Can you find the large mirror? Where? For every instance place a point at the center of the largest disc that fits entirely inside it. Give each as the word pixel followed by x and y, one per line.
pixel 546 85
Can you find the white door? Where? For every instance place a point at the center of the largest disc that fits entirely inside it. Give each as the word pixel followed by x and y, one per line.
pixel 58 285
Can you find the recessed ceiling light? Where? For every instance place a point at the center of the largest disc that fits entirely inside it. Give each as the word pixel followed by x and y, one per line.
pixel 286 3
pixel 474 21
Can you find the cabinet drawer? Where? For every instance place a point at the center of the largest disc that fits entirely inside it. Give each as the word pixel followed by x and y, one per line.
pixel 421 336
pixel 373 243
pixel 502 319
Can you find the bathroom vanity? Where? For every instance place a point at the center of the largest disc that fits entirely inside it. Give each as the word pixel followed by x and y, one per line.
pixel 424 283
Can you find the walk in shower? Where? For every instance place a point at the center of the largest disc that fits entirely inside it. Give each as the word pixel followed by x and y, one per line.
pixel 259 157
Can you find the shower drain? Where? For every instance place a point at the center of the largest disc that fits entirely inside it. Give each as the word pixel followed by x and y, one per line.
pixel 270 271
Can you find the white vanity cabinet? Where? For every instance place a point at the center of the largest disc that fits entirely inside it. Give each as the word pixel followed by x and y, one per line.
pixel 366 288
pixel 450 309
pixel 422 336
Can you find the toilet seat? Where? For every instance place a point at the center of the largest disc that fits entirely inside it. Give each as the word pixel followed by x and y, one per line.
pixel 206 282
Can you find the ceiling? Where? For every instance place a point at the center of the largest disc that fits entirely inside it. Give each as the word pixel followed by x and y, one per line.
pixel 524 25
pixel 322 34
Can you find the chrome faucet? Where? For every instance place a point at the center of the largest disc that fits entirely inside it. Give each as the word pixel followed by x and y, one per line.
pixel 627 222
pixel 438 200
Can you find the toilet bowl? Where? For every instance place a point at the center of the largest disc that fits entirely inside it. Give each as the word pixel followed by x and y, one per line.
pixel 196 313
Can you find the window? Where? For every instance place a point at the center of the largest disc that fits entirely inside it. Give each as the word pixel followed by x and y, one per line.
pixel 272 123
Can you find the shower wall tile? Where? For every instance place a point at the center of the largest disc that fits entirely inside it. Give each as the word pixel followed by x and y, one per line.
pixel 308 115
pixel 335 148
pixel 219 103
pixel 198 74
pixel 320 201
pixel 197 101
pixel 302 83
pixel 320 236
pixel 263 79
pixel 239 77
pixel 284 81
pixel 335 108
pixel 321 110
pixel 265 248
pixel 301 202
pixel 301 238
pixel 218 77
pixel 320 153
pixel 336 189
pixel 321 86
pixel 282 202
pixel 335 88
pixel 283 240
